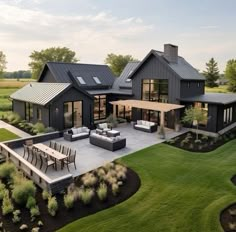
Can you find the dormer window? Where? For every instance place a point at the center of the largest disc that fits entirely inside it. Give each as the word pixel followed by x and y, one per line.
pixel 96 79
pixel 81 80
pixel 128 80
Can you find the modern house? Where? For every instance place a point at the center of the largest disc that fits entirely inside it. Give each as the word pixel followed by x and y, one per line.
pixel 69 95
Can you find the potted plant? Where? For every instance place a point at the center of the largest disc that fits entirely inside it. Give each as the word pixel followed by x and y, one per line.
pixel 177 126
pixel 112 120
pixel 161 132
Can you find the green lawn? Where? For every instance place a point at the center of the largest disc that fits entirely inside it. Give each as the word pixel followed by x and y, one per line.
pixel 7 135
pixel 219 89
pixel 181 191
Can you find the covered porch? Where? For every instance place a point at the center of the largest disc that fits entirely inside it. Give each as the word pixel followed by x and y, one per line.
pixel 148 105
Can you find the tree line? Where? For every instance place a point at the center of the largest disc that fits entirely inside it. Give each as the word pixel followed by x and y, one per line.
pixel 115 62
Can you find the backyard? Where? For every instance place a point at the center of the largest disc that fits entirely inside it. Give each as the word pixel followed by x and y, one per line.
pixel 180 191
pixel 7 135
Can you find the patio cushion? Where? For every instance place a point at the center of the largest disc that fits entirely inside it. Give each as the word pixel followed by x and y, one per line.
pixel 142 126
pixel 74 130
pixel 79 135
pixel 139 122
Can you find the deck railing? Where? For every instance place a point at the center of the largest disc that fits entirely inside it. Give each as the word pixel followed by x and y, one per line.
pixel 53 185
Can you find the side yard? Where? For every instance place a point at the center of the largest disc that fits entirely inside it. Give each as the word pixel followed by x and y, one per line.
pixel 180 191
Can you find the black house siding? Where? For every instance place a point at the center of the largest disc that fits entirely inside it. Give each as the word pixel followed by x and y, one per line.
pixel 48 77
pixel 57 117
pixel 190 88
pixel 19 107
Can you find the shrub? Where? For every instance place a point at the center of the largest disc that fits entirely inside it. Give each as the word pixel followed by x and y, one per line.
pixel 115 189
pixel 34 212
pixel 171 141
pixel 89 179
pixel 110 179
pixel 184 142
pixel 108 166
pixel 86 195
pixel 38 128
pixel 122 168
pixel 45 195
pixel 7 170
pixel 2 189
pixel 204 137
pixel 23 227
pixel 16 216
pixel 231 135
pixel 197 141
pixel 40 223
pixel 121 175
pixel 102 192
pixel 13 118
pixel 49 129
pixel 35 229
pixel 232 226
pixel 191 146
pixel 52 206
pixel 21 192
pixel 232 212
pixel 69 201
pixel 101 173
pixel 7 206
pixel 31 202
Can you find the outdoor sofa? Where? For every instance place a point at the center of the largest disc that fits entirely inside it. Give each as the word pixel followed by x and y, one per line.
pixel 77 133
pixel 145 126
pixel 109 143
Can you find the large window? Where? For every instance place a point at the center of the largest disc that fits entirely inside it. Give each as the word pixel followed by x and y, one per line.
pixel 100 107
pixel 72 114
pixel 124 112
pixel 28 111
pixel 155 90
pixel 39 114
pixel 228 115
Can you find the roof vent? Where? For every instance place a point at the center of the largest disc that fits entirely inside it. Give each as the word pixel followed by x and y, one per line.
pixel 171 53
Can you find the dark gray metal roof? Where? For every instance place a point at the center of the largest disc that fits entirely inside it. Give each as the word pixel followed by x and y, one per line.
pixel 183 68
pixel 217 98
pixel 86 71
pixel 121 82
pixel 39 93
pixel 110 91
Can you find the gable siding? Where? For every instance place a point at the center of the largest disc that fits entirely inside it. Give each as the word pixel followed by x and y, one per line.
pixel 48 77
pixel 191 88
pixel 153 68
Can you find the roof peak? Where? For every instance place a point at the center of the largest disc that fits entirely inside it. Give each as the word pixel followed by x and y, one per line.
pixel 58 62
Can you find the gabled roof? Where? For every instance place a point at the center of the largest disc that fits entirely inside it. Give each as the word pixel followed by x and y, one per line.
pixel 40 93
pixel 121 82
pixel 86 71
pixel 182 68
pixel 217 98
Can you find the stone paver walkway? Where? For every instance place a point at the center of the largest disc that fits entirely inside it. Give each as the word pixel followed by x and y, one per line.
pixel 14 130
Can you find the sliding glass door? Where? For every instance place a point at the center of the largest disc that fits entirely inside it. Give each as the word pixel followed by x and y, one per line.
pixel 73 114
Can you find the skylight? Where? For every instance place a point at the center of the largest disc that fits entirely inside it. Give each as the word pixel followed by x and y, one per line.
pixel 128 80
pixel 81 80
pixel 96 79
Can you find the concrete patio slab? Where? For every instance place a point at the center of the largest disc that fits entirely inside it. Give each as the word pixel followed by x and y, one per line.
pixel 90 157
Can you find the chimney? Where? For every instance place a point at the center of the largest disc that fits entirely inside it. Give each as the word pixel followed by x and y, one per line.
pixel 171 53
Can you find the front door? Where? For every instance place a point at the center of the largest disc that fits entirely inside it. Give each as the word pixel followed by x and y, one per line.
pixel 73 112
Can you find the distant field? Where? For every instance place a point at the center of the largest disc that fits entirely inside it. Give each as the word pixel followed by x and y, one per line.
pixel 7 87
pixel 220 89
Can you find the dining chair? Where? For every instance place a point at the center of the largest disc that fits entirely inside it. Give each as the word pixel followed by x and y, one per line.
pixel 52 144
pixel 58 147
pixel 37 155
pixel 70 160
pixel 64 150
pixel 25 150
pixel 47 162
pixel 29 142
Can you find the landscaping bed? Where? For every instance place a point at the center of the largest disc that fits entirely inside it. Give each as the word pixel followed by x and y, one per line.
pixel 228 215
pixel 188 141
pixel 84 197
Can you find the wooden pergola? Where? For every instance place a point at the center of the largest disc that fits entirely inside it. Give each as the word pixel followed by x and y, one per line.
pixel 148 105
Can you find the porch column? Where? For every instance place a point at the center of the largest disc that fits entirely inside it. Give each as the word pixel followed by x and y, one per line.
pixel 162 120
pixel 114 110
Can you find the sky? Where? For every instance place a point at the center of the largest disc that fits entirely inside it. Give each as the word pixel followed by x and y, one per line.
pixel 92 28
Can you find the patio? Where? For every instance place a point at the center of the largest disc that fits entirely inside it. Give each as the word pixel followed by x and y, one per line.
pixel 90 157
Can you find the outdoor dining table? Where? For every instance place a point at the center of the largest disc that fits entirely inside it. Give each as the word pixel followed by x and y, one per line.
pixel 51 152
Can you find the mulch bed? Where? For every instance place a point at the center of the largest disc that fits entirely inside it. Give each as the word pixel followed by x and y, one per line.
pixel 228 215
pixel 65 216
pixel 206 144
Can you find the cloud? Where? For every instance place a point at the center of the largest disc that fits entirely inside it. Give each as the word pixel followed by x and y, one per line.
pixel 23 30
pixel 209 27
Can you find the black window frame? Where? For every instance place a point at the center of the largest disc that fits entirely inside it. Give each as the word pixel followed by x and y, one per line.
pixel 99 98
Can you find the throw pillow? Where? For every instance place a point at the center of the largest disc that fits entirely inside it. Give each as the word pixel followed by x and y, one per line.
pixel 70 132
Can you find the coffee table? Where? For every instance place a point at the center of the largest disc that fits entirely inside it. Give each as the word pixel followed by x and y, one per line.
pixel 113 133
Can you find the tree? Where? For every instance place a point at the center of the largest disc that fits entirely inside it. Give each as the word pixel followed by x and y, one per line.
pixel 3 63
pixel 118 62
pixel 194 115
pixel 211 73
pixel 230 74
pixel 57 54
